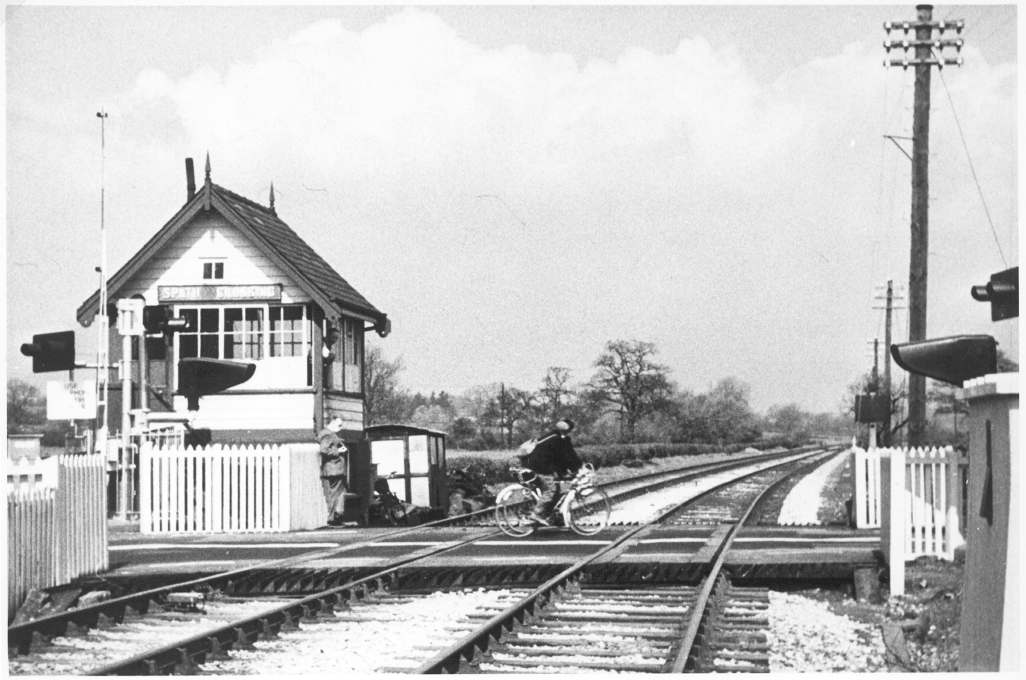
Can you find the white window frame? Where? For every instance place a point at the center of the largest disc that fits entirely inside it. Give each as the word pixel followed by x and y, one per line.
pixel 265 331
pixel 304 325
pixel 213 262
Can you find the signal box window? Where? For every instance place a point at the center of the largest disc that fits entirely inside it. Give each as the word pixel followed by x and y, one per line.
pixel 222 333
pixel 352 353
pixel 242 333
pixel 288 330
pixel 213 270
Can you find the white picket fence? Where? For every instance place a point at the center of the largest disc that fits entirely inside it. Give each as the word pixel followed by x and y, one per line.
pixel 56 522
pixel 917 499
pixel 230 489
pixel 866 475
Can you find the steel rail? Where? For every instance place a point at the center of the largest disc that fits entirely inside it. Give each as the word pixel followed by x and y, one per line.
pixel 184 652
pixel 20 636
pixel 449 660
pixel 698 612
pixel 183 655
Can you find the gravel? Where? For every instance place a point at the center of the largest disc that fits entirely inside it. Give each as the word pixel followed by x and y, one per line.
pixel 369 638
pixel 806 636
pixel 644 508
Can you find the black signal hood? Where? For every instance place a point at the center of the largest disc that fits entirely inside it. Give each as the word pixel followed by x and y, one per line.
pixel 954 359
pixel 200 377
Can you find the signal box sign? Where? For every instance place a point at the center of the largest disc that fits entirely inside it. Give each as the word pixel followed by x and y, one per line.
pixel 70 400
pixel 213 293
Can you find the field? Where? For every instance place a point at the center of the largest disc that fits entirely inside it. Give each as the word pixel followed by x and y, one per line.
pixel 501 459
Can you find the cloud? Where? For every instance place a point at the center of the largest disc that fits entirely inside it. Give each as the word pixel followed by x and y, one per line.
pixel 671 196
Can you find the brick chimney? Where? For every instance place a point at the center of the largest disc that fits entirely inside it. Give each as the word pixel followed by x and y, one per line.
pixel 190 180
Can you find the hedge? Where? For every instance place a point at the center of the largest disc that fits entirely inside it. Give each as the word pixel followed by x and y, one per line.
pixel 610 455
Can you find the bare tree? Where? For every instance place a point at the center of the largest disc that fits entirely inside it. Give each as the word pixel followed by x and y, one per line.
pixel 555 393
pixel 630 383
pixel 384 401
pixel 509 407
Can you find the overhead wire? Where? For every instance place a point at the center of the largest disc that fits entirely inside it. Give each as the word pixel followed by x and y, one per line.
pixel 972 167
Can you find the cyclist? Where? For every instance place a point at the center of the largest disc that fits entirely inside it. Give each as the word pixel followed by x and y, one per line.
pixel 553 459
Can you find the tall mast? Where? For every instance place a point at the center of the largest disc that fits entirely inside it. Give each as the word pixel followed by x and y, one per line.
pixel 102 325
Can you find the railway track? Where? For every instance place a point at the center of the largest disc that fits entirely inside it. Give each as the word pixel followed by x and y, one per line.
pixel 129 628
pixel 692 623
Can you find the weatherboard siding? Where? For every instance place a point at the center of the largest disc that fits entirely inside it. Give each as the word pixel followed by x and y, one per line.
pixel 347 408
pixel 229 411
pixel 180 262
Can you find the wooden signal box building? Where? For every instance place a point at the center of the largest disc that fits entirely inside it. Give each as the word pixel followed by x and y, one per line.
pixel 250 289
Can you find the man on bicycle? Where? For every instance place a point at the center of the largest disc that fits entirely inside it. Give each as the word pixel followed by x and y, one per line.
pixel 553 459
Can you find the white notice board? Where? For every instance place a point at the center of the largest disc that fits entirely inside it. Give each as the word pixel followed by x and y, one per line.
pixel 70 400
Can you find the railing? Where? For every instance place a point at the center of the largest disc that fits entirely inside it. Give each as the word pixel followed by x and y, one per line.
pixel 230 489
pixel 56 522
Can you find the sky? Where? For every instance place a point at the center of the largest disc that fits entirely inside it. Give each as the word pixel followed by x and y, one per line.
pixel 515 186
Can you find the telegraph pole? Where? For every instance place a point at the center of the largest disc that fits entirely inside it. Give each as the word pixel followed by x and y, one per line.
pixel 889 297
pixel 927 54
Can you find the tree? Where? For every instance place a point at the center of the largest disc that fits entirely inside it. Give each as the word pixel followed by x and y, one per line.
pixel 555 393
pixel 384 400
pixel 789 420
pixel 433 417
pixel 946 401
pixel 508 408
pixel 25 405
pixel 725 413
pixel 630 383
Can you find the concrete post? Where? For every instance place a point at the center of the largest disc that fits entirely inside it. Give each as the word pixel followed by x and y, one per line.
pixel 990 636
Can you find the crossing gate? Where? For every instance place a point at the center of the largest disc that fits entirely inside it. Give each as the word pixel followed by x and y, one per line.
pixel 219 489
pixel 56 522
pixel 917 497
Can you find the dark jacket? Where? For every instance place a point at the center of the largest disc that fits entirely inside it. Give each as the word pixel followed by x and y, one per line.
pixel 553 455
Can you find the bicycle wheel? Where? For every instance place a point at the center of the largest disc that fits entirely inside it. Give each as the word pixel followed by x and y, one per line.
pixel 588 511
pixel 512 510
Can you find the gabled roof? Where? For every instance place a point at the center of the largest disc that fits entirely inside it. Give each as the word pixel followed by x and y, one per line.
pixel 270 234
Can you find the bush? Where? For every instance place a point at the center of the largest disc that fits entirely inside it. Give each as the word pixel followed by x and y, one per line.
pixel 494 466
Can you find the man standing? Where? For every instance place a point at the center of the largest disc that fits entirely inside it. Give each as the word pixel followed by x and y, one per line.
pixel 333 470
pixel 553 459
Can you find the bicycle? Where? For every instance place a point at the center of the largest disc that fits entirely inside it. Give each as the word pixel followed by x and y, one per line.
pixel 385 507
pixel 584 507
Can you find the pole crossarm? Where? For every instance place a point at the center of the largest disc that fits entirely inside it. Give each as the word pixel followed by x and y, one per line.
pixel 957 25
pixel 940 63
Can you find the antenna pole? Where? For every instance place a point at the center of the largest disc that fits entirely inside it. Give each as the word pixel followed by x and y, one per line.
pixel 102 325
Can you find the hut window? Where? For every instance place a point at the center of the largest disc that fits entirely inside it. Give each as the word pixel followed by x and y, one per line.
pixel 288 330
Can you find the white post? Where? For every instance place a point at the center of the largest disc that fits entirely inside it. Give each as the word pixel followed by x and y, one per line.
pixel 145 488
pixel 953 482
pixel 859 463
pixel 898 518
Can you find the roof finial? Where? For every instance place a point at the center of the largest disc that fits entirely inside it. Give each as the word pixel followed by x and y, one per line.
pixel 207 169
pixel 270 200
